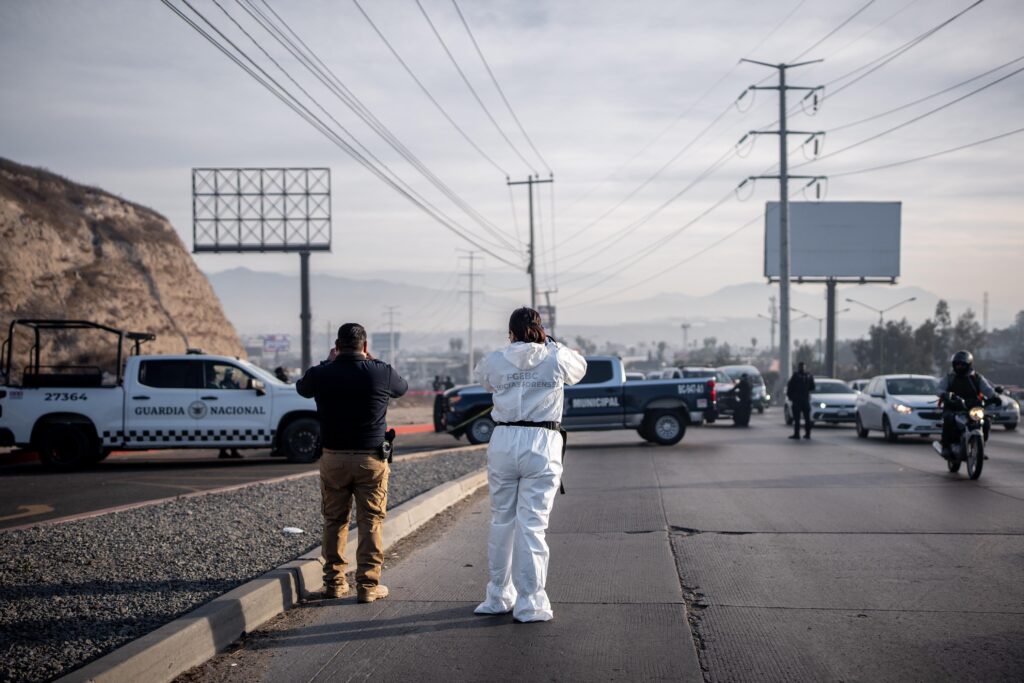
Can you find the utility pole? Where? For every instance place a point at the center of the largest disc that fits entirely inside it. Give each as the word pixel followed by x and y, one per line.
pixel 470 256
pixel 785 346
pixel 530 181
pixel 984 313
pixel 305 315
pixel 686 337
pixel 391 333
pixel 551 317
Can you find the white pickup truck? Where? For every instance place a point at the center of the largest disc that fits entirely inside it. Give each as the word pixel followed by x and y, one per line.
pixel 75 415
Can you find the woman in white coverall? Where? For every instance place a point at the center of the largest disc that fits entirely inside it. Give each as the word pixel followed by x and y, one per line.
pixel 524 462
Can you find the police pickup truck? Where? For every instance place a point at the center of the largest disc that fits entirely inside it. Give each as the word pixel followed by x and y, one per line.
pixel 75 415
pixel 659 410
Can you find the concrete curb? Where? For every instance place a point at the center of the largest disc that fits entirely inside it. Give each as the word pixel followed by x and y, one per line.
pixel 197 636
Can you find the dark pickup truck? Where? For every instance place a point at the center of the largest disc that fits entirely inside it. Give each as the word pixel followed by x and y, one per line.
pixel 659 410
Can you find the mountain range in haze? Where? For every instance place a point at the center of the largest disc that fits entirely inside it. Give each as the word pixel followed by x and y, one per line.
pixel 262 303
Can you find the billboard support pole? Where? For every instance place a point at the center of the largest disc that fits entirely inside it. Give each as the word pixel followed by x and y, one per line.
pixel 830 327
pixel 305 315
pixel 785 346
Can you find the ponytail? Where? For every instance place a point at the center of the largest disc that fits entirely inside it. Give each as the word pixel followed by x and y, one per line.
pixel 524 325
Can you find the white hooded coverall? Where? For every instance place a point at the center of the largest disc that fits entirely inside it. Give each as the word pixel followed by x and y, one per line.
pixel 524 468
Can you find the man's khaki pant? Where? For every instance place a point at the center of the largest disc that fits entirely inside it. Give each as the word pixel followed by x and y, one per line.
pixel 345 475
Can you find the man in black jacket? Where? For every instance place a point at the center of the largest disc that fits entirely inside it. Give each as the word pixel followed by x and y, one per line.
pixel 352 390
pixel 798 391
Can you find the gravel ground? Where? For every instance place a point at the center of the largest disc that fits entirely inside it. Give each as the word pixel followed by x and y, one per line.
pixel 72 592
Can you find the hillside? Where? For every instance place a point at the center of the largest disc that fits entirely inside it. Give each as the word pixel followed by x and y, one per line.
pixel 70 251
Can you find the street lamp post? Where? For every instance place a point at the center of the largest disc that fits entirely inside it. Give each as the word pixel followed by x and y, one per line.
pixel 881 326
pixel 821 343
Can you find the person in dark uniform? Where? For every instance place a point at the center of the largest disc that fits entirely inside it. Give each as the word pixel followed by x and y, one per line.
pixel 281 374
pixel 352 390
pixel 744 394
pixel 798 391
pixel 448 382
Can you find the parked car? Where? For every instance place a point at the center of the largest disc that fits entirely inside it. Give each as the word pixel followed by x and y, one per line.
pixel 759 395
pixel 899 405
pixel 832 401
pixel 1007 414
pixel 635 376
pixel 859 384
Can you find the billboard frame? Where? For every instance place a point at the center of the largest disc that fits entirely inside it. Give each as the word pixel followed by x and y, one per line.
pixel 268 209
pixel 845 279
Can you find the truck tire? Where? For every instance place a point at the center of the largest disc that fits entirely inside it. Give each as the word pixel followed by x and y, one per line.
pixel 1010 426
pixel 300 440
pixel 665 427
pixel 480 430
pixel 64 446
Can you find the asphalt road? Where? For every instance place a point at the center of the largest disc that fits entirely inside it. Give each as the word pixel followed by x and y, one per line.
pixel 836 558
pixel 28 493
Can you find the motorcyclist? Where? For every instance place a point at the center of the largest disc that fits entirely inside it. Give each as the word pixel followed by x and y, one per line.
pixel 968 385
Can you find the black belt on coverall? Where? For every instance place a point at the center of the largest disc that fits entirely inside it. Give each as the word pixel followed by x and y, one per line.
pixel 553 426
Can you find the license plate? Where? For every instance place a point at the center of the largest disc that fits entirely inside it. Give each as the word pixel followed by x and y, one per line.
pixel 844 413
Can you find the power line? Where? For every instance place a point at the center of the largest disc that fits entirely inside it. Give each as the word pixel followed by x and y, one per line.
pixel 873 117
pixel 687 111
pixel 872 66
pixel 912 120
pixel 289 100
pixel 924 157
pixel 469 85
pixel 427 92
pixel 605 244
pixel 835 30
pixel 497 86
pixel 328 78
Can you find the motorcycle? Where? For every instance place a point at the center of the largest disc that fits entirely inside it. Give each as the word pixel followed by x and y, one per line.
pixel 970 448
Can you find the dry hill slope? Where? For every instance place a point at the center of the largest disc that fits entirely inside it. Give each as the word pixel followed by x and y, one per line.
pixel 70 251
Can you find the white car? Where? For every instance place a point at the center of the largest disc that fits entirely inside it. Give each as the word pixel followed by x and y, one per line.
pixel 859 384
pixel 899 405
pixel 832 401
pixel 1007 414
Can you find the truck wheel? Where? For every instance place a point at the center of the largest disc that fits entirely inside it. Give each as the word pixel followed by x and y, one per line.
pixel 741 418
pixel 1011 427
pixel 666 427
pixel 644 434
pixel 480 430
pixel 300 440
pixel 66 446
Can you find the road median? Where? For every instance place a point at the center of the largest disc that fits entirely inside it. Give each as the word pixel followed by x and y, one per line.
pixel 195 637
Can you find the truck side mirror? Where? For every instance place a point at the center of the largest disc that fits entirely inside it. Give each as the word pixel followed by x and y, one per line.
pixel 261 389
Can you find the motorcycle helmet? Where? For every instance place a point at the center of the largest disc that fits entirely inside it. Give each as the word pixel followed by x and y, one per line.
pixel 962 362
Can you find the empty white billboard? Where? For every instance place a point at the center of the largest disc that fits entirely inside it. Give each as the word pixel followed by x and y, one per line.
pixel 843 240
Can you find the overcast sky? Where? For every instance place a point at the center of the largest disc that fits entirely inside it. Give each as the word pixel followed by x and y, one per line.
pixel 126 96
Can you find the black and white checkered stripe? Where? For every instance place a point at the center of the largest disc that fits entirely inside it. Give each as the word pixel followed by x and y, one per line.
pixel 186 436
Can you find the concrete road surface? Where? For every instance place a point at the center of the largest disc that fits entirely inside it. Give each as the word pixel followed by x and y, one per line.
pixel 831 559
pixel 29 493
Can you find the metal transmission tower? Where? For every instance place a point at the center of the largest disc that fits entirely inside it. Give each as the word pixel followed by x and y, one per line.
pixel 531 268
pixel 785 346
pixel 470 256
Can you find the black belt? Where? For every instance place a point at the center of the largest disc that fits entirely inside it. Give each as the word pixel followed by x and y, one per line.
pixel 553 426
